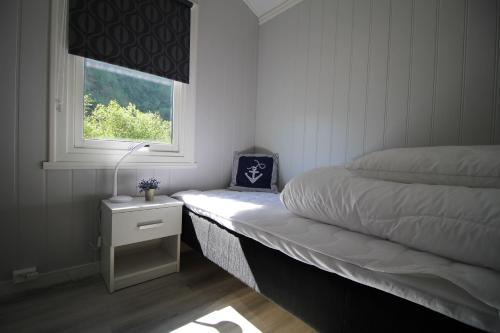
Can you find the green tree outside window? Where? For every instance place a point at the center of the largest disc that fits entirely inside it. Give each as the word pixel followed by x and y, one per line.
pixel 114 121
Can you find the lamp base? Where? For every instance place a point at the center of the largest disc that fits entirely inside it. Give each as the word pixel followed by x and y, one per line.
pixel 120 198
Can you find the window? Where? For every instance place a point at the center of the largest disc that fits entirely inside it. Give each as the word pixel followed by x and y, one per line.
pixel 99 110
pixel 126 105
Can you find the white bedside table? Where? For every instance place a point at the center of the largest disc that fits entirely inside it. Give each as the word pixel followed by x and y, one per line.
pixel 140 240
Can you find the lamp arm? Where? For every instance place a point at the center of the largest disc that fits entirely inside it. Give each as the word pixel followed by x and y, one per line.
pixel 115 178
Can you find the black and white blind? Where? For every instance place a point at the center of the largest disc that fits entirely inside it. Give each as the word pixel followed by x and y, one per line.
pixel 151 36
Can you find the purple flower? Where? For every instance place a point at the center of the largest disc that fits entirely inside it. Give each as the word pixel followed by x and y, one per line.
pixel 150 184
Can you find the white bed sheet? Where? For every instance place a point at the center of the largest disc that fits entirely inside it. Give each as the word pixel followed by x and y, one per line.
pixel 467 293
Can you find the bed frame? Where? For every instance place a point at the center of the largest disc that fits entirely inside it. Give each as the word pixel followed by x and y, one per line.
pixel 324 300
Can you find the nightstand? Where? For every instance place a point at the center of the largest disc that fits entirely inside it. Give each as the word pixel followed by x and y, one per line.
pixel 140 240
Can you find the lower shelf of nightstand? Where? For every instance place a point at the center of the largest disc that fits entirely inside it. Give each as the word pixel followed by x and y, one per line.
pixel 130 264
pixel 133 268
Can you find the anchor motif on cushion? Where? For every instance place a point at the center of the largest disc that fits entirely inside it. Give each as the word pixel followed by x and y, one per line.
pixel 253 170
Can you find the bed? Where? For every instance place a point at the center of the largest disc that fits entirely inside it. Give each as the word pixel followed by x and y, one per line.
pixel 359 274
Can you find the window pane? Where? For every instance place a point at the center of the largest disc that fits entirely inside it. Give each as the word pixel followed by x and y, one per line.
pixel 126 105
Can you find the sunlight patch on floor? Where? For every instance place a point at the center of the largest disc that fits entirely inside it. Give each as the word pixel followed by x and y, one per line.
pixel 223 320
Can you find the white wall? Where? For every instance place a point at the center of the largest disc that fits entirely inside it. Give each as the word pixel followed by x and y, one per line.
pixel 339 78
pixel 47 218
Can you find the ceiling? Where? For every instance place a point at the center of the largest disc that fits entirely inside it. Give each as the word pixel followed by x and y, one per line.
pixel 267 9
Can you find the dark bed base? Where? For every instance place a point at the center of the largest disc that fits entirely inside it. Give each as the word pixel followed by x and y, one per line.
pixel 326 301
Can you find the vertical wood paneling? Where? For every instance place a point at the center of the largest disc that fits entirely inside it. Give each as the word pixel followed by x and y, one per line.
pixel 9 24
pixel 323 144
pixel 103 183
pixel 103 189
pixel 241 96
pixel 248 65
pixel 282 59
pixel 399 81
pixel 496 120
pixel 445 129
pixel 59 219
pixel 299 94
pixel 227 101
pixel 32 137
pixel 479 69
pixel 84 216
pixel 359 69
pixel 342 78
pixel 423 70
pixel 163 175
pixel 220 101
pixel 392 73
pixel 312 83
pixel 377 76
pixel 127 182
pixel 209 110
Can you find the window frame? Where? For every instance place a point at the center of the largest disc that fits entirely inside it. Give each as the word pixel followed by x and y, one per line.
pixel 77 75
pixel 68 149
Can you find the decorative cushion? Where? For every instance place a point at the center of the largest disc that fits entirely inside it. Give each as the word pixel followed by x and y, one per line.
pixel 471 166
pixel 255 172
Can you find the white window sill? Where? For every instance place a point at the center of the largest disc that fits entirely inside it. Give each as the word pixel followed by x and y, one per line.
pixel 125 165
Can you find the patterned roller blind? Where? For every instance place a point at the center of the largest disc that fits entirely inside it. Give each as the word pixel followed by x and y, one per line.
pixel 147 35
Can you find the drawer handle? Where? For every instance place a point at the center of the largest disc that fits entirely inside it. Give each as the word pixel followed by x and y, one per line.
pixel 149 225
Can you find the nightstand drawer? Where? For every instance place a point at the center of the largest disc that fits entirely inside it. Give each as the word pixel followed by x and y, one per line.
pixel 138 226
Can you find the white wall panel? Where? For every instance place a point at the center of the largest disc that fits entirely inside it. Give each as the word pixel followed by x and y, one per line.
pixel 299 91
pixel 341 80
pixel 449 76
pixel 496 120
pixel 389 73
pixel 127 182
pixel 84 214
pixel 377 75
pixel 9 62
pixel 59 219
pixel 282 103
pixel 329 30
pixel 312 82
pixel 423 77
pixel 359 78
pixel 478 108
pixel 32 136
pixel 103 183
pixel 400 68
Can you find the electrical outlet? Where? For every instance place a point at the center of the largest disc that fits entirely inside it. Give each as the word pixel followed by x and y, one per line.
pixel 24 275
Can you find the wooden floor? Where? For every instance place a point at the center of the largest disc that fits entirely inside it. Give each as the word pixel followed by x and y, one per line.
pixel 177 301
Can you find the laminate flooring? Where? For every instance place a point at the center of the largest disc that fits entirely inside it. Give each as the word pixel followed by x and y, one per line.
pixel 201 298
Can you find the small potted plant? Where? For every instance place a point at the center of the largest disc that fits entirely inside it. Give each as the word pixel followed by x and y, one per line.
pixel 148 187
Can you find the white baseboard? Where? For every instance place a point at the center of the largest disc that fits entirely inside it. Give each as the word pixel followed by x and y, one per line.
pixel 48 279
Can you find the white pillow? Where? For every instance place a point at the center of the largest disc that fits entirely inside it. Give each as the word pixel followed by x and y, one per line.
pixel 471 166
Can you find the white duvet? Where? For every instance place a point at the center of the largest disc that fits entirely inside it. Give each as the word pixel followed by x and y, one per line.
pixel 459 223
